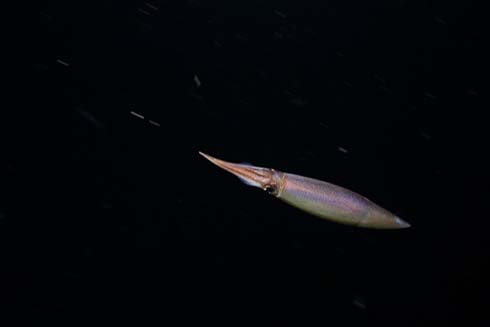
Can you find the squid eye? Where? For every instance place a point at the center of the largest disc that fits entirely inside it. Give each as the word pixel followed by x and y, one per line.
pixel 270 189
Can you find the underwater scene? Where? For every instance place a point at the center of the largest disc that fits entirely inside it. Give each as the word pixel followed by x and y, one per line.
pixel 247 163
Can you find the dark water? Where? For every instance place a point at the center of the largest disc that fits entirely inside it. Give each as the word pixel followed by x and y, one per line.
pixel 109 217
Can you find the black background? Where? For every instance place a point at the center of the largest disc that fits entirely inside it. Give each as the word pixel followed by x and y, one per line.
pixel 109 218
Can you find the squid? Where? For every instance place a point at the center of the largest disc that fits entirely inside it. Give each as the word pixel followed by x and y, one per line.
pixel 319 198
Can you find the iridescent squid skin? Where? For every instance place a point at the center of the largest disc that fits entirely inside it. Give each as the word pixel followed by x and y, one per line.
pixel 319 198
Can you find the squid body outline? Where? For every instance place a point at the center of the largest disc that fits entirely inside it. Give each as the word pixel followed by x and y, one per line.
pixel 319 198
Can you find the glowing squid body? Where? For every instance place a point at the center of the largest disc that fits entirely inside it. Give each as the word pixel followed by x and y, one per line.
pixel 322 199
